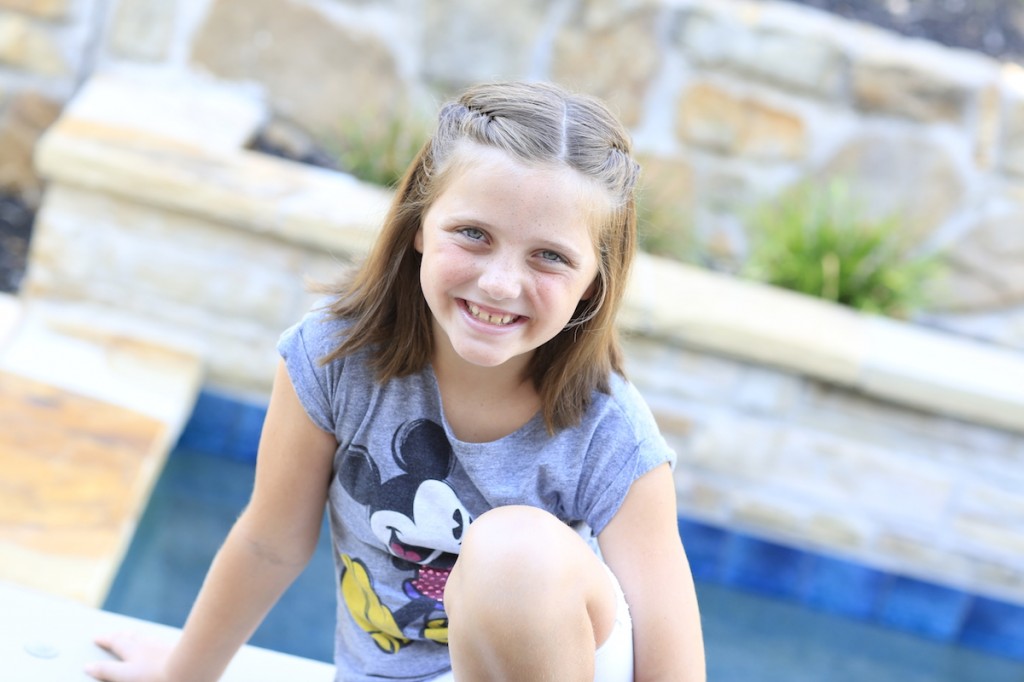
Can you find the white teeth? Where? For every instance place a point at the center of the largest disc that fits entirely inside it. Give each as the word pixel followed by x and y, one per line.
pixel 487 317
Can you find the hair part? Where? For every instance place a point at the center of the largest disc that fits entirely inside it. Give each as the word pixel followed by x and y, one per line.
pixel 536 124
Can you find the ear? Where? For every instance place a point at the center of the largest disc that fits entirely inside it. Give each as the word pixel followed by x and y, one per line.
pixel 417 240
pixel 589 293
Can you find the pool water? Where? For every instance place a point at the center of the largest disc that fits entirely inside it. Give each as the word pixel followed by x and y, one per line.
pixel 749 637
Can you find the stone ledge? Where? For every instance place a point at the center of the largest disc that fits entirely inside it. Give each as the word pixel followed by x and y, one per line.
pixel 891 360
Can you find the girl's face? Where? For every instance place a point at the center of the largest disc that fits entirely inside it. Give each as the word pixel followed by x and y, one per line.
pixel 508 254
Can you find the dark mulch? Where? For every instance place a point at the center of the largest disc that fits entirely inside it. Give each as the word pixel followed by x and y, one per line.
pixel 15 231
pixel 992 27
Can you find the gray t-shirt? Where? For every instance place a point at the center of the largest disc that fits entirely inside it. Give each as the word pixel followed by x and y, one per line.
pixel 404 489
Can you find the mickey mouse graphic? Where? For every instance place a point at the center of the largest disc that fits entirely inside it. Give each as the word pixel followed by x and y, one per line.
pixel 420 520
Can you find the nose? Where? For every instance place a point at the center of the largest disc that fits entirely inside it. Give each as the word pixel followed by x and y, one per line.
pixel 501 279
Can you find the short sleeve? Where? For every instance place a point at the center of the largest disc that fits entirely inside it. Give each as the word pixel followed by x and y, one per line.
pixel 627 444
pixel 301 346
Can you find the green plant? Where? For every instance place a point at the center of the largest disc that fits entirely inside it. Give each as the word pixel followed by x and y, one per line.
pixel 665 228
pixel 816 241
pixel 379 151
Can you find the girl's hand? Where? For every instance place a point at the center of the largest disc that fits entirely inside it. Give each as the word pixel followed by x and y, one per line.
pixel 142 659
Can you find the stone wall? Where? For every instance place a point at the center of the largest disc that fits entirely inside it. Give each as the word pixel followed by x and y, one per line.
pixel 729 101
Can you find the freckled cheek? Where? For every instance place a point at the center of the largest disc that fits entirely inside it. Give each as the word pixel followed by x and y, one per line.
pixel 448 270
pixel 556 296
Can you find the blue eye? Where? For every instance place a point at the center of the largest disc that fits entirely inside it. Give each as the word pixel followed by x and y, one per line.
pixel 472 233
pixel 552 257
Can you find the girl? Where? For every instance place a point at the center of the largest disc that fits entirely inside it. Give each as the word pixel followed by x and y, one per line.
pixel 498 492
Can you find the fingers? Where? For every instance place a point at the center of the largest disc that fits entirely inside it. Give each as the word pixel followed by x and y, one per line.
pixel 105 670
pixel 141 659
pixel 121 644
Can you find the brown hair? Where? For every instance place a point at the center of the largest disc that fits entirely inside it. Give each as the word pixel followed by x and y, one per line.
pixel 536 123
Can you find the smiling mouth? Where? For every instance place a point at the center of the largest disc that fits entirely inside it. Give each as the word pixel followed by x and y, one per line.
pixel 500 319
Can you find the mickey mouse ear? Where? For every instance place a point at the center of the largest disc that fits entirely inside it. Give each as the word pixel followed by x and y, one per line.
pixel 421 448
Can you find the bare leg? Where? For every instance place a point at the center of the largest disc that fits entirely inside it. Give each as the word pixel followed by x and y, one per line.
pixel 527 600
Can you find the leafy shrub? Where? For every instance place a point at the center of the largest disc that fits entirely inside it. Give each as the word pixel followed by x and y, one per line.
pixel 815 241
pixel 380 151
pixel 664 230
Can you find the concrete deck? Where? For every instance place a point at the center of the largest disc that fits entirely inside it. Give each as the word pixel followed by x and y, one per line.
pixel 44 638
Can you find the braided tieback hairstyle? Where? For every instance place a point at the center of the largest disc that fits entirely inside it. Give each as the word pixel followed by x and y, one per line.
pixel 537 124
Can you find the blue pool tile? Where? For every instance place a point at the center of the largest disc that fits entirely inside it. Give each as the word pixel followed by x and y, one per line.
pixel 209 428
pixel 764 566
pixel 843 587
pixel 924 608
pixel 247 429
pixel 705 547
pixel 223 426
pixel 996 627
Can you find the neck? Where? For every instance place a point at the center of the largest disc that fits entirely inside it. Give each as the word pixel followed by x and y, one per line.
pixel 483 404
pixel 506 379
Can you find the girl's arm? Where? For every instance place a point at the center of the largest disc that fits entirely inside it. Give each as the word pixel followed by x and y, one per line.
pixel 268 547
pixel 642 547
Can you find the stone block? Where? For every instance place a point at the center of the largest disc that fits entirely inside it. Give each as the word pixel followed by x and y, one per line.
pixel 142 29
pixel 921 85
pixel 990 539
pixel 283 45
pixel 804 62
pixel 680 376
pixel 767 392
pixel 45 9
pixel 466 43
pixel 773 517
pixel 986 265
pixel 27 116
pixel 700 496
pixel 987 129
pixel 94 245
pixel 914 551
pixel 907 177
pixel 615 60
pixel 24 44
pixel 870 481
pixel 739 125
pixel 837 530
pixel 140 108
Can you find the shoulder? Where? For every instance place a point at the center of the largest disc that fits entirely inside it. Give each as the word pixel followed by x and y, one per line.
pixel 621 420
pixel 316 334
pixel 622 405
pixel 322 387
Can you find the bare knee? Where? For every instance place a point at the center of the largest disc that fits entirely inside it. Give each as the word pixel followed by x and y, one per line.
pixel 519 562
pixel 517 544
pixel 527 599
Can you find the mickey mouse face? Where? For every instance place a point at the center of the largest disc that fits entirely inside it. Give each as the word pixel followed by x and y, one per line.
pixel 417 514
pixel 435 527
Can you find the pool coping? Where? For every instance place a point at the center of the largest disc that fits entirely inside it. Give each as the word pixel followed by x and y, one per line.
pixel 225 426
